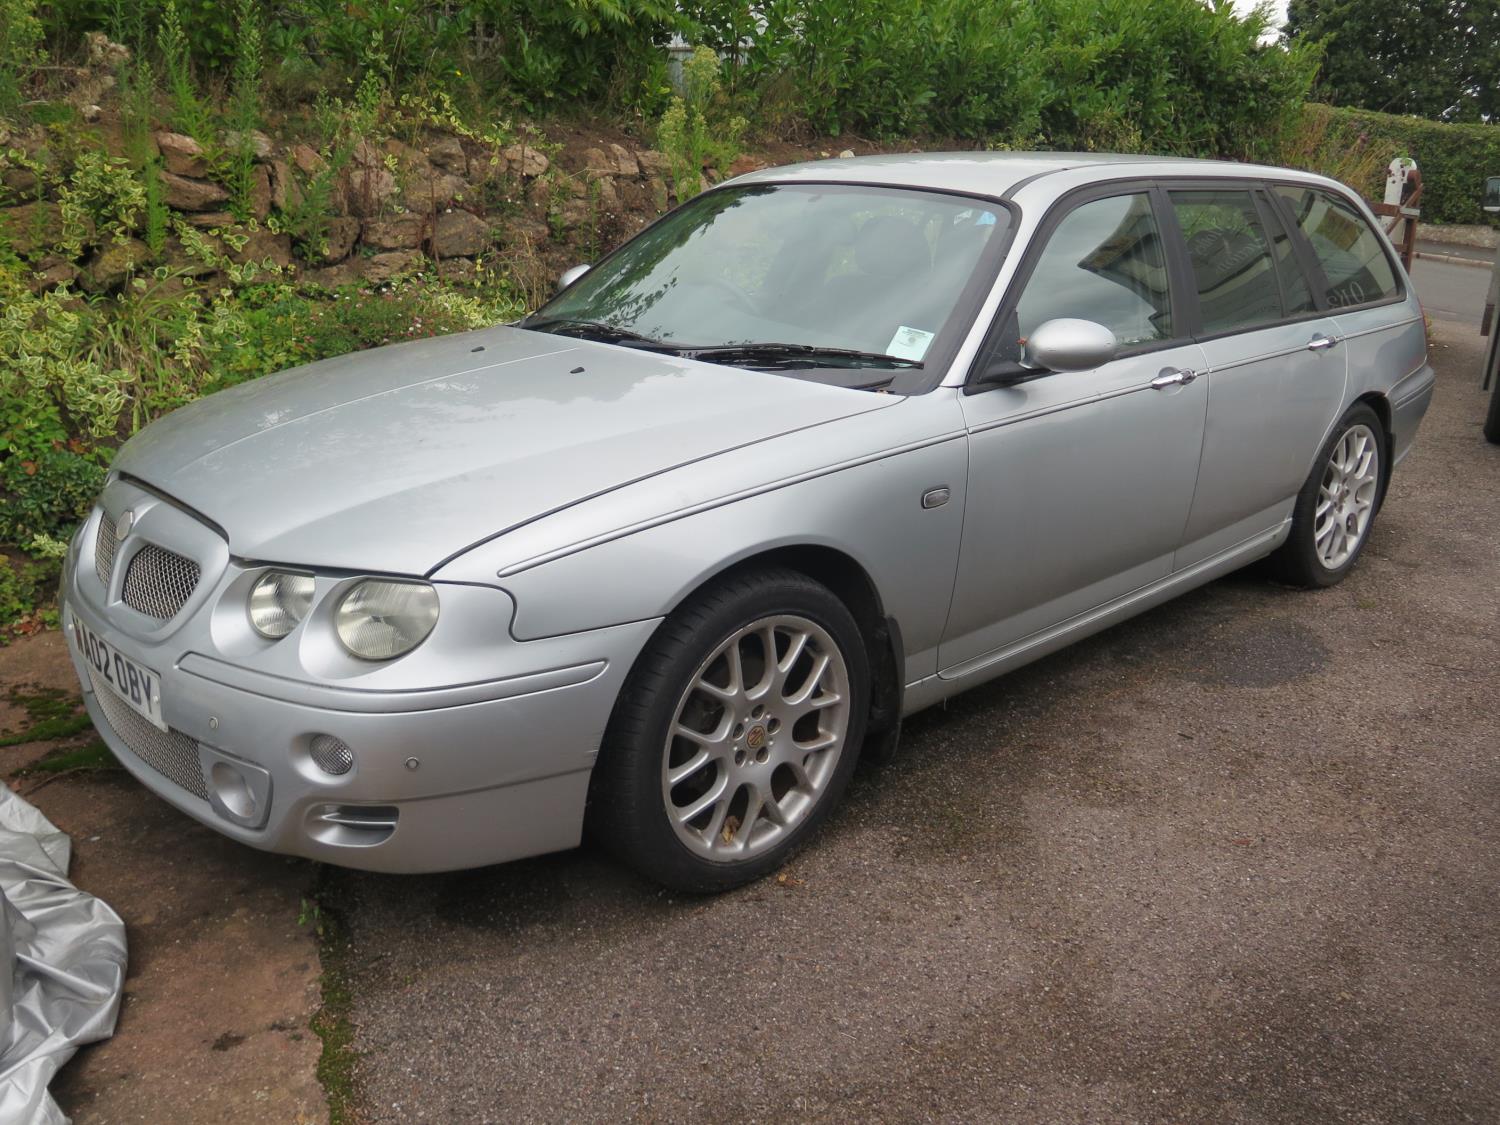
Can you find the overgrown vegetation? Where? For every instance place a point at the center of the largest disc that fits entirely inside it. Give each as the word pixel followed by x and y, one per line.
pixel 697 129
pixel 79 373
pixel 1355 146
pixel 166 311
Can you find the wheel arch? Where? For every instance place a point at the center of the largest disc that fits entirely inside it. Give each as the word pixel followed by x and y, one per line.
pixel 852 584
pixel 1382 407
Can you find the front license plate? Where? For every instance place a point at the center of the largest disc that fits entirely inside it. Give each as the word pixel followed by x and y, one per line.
pixel 137 687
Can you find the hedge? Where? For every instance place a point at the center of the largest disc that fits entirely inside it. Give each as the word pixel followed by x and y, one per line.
pixel 1454 159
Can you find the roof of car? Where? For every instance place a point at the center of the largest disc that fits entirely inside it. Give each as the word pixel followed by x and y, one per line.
pixel 993 173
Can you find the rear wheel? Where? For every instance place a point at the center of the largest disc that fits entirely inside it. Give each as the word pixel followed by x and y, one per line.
pixel 1492 416
pixel 734 735
pixel 1334 511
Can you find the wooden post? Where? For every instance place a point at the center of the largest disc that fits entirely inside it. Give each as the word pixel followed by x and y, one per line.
pixel 1404 214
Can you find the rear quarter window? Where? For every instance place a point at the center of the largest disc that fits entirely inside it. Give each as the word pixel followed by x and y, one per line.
pixel 1354 261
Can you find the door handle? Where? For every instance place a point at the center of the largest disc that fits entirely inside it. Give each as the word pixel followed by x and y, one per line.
pixel 1180 378
pixel 1321 342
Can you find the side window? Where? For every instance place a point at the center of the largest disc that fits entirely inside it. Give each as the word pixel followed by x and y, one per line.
pixel 1103 262
pixel 1295 293
pixel 1350 252
pixel 1231 259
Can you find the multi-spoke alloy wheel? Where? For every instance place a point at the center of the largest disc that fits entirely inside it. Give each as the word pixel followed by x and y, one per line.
pixel 1346 499
pixel 1334 511
pixel 735 733
pixel 756 737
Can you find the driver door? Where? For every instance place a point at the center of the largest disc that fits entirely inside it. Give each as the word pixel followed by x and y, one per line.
pixel 1080 483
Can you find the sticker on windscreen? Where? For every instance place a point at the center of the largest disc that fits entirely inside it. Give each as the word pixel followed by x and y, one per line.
pixel 909 343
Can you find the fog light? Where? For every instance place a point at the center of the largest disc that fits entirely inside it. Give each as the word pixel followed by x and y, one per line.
pixel 232 790
pixel 331 755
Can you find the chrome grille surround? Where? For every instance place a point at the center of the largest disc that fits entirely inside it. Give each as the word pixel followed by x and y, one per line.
pixel 170 753
pixel 158 582
pixel 105 546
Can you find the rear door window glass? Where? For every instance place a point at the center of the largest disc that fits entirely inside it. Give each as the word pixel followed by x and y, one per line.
pixel 1103 262
pixel 1354 261
pixel 1231 259
pixel 1296 294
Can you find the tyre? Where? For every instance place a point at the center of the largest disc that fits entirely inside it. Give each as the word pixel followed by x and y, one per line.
pixel 1334 511
pixel 1492 415
pixel 735 733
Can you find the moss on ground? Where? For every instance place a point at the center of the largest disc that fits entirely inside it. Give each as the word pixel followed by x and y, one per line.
pixel 94 756
pixel 51 714
pixel 333 1023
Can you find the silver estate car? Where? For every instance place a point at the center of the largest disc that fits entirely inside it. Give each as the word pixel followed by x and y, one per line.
pixel 818 449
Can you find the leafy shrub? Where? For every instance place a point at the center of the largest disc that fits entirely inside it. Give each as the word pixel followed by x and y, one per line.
pixel 1171 76
pixel 24 584
pixel 20 35
pixel 47 496
pixel 53 381
pixel 272 327
pixel 1356 145
pixel 697 129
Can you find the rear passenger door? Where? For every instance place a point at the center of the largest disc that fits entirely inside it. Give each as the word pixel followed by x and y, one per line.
pixel 1276 368
pixel 1365 290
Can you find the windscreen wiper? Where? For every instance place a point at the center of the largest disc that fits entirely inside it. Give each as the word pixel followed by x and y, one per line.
pixel 804 355
pixel 598 331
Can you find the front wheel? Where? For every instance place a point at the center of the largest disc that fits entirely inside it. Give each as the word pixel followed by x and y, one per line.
pixel 1334 511
pixel 735 734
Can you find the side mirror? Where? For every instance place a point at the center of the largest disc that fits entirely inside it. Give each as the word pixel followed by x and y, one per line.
pixel 569 276
pixel 1066 344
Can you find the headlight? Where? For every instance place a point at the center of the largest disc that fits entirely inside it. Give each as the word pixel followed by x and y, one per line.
pixel 279 601
pixel 380 619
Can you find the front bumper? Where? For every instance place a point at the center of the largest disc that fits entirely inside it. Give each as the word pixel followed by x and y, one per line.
pixel 488 769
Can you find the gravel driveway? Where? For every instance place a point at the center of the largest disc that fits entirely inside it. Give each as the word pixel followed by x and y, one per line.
pixel 1236 860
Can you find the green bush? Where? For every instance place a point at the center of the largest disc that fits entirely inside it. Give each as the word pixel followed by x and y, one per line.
pixel 696 129
pixel 274 326
pixel 24 585
pixel 1169 76
pixel 46 496
pixel 1454 159
pixel 542 51
pixel 20 35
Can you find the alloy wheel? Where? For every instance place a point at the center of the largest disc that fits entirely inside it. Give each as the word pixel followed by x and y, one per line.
pixel 756 738
pixel 1346 498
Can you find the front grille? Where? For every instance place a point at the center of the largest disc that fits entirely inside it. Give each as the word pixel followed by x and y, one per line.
pixel 105 546
pixel 159 582
pixel 170 753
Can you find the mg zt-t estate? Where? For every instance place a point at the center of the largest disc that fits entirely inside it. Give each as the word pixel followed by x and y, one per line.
pixel 818 449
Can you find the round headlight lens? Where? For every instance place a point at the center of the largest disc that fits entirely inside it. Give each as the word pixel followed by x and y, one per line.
pixel 279 601
pixel 380 619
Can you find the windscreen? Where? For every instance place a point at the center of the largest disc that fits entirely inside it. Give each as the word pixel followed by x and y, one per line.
pixel 868 269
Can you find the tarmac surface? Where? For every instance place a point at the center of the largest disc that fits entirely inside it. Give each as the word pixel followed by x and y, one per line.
pixel 1450 291
pixel 1235 860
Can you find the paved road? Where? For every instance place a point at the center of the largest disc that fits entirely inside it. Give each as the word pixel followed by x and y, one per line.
pixel 1450 291
pixel 1475 253
pixel 1233 861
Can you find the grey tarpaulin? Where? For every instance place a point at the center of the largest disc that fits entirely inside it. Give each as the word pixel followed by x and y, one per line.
pixel 66 951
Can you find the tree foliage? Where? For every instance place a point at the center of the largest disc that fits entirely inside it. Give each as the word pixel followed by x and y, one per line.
pixel 1437 59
